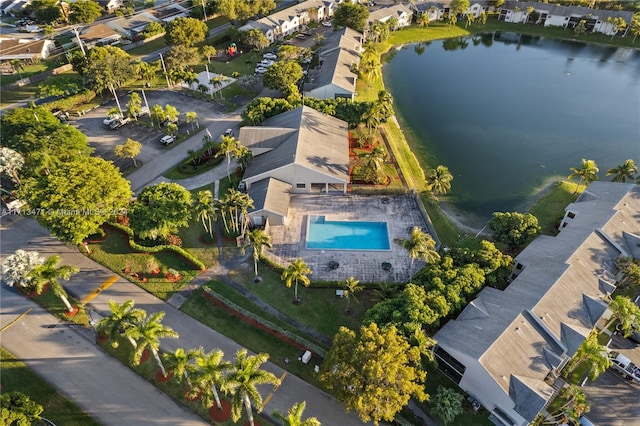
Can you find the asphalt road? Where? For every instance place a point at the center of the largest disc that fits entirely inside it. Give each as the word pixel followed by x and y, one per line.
pixel 71 357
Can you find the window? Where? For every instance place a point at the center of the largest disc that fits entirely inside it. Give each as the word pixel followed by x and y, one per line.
pixel 450 366
pixel 502 416
pixel 518 266
pixel 301 185
pixel 571 215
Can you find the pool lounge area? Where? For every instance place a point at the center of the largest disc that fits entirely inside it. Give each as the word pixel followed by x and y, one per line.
pixel 400 213
pixel 346 234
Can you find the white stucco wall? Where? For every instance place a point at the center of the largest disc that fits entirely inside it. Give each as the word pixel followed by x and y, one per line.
pixel 328 91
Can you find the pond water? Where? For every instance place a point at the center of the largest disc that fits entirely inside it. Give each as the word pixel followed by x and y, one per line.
pixel 509 114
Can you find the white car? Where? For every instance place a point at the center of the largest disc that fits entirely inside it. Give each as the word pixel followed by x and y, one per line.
pixel 167 139
pixel 260 70
pixel 327 24
pixel 110 119
pixel 265 63
pixel 270 56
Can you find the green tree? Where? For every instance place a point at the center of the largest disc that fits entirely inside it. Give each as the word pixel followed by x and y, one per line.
pixel 282 74
pixel 256 38
pixel 153 28
pixel 183 364
pixel 185 31
pixel 373 166
pixel 241 382
pixel 120 318
pixel 422 20
pixel 171 113
pixel 294 416
pixel 208 52
pixel 50 273
pixel 439 180
pixel 587 173
pixel 351 286
pixel 351 15
pixel 211 373
pixel 181 57
pixel 458 7
pixel 446 404
pixel 147 334
pixel 295 272
pixel 191 117
pixel 105 67
pixel 513 228
pixel 84 11
pixel 257 240
pixel 228 148
pixel 575 404
pixel 145 71
pixel 624 171
pixel 630 270
pixel 634 28
pixel 420 245
pixel 83 184
pixel 130 149
pixel 617 24
pixel 205 211
pixel 161 210
pixel 134 106
pixel 18 409
pixel 375 373
pixel 157 115
pixel 17 268
pixel 628 313
pixel 594 354
pixel 10 163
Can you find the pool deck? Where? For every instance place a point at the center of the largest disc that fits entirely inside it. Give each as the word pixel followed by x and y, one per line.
pixel 399 211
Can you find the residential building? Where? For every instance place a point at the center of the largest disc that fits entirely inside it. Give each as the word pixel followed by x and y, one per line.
pixel 506 348
pixel 130 26
pixel 99 35
pixel 553 15
pixel 25 49
pixel 111 6
pixel 402 13
pixel 298 151
pixel 290 20
pixel 439 10
pixel 339 55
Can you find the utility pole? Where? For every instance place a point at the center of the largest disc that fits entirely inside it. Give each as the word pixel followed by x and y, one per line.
pixel 115 95
pixel 209 80
pixel 144 96
pixel 164 68
pixel 77 33
pixel 204 11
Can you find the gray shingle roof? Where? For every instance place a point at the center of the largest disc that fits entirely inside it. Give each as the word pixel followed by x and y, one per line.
pixel 270 195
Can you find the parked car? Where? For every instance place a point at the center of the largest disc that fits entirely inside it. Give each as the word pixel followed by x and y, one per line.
pixel 271 56
pixel 33 29
pixel 110 119
pixel 307 60
pixel 260 70
pixel 167 121
pixel 167 139
pixel 624 366
pixel 265 63
pixel 327 24
pixel 301 36
pixel 143 110
pixel 228 133
pixel 116 124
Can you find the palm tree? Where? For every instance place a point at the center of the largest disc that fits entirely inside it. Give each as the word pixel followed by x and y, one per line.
pixel 256 239
pixel 439 180
pixel 245 203
pixel 228 147
pixel 595 354
pixel 296 271
pixel 157 115
pixel 147 334
pixel 587 173
pixel 420 245
pixel 121 318
pixel 17 268
pixel 422 20
pixel 211 373
pixel 624 171
pixel 205 210
pixel 372 169
pixel 242 381
pixel 294 416
pixel 182 363
pixel 351 287
pixel 628 313
pixel 50 273
pixel 575 405
pixel 192 117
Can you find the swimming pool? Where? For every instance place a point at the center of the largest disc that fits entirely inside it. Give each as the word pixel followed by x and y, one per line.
pixel 346 235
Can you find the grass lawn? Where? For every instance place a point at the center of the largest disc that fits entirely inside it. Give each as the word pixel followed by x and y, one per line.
pixel 182 171
pixel 55 306
pixel 252 338
pixel 549 209
pixel 147 48
pixel 16 376
pixel 175 390
pixel 115 254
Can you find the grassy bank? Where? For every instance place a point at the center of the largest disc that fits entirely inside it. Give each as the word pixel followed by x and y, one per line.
pixel 549 209
pixel 16 376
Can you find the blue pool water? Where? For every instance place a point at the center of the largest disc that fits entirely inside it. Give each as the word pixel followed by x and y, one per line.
pixel 346 235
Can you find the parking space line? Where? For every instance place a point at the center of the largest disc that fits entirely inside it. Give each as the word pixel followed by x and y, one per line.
pixel 105 285
pixel 18 318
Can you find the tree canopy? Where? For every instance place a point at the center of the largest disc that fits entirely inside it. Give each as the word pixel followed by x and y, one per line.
pixel 282 74
pixel 104 66
pixel 513 228
pixel 185 31
pixel 374 373
pixel 84 11
pixel 161 210
pixel 351 15
pixel 18 409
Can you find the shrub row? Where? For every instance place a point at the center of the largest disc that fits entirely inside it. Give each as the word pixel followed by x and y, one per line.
pixel 267 324
pixel 155 249
pixel 69 102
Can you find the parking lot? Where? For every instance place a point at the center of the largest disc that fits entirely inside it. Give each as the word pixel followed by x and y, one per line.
pixel 104 139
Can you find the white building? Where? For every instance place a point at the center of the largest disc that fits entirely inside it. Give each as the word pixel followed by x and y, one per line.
pixel 402 13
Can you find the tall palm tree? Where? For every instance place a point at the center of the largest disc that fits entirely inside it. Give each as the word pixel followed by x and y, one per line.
pixel 211 372
pixel 228 148
pixel 205 210
pixel 296 271
pixel 587 173
pixel 420 245
pixel 624 171
pixel 50 273
pixel 351 287
pixel 182 363
pixel 122 317
pixel 372 169
pixel 245 203
pixel 439 180
pixel 576 404
pixel 17 268
pixel 242 381
pixel 192 118
pixel 147 334
pixel 595 354
pixel 256 239
pixel 628 313
pixel 294 416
